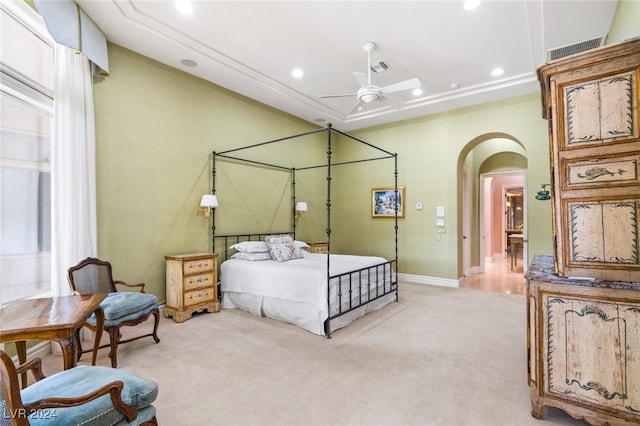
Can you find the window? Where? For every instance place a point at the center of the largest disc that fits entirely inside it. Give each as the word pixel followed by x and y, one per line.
pixel 26 100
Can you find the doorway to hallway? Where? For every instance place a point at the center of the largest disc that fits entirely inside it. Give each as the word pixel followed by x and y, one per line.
pixel 503 218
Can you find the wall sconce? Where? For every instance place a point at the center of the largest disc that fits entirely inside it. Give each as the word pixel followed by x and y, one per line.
pixel 543 195
pixel 301 206
pixel 208 201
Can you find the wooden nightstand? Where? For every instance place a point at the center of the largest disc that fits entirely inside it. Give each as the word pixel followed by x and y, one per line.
pixel 318 247
pixel 191 285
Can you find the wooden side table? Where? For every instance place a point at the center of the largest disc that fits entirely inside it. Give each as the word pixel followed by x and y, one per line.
pixel 191 285
pixel 51 318
pixel 318 247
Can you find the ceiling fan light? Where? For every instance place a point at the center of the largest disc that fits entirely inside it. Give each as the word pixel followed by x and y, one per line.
pixel 369 97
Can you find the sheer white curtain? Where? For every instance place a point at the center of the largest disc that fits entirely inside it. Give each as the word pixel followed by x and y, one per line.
pixel 73 181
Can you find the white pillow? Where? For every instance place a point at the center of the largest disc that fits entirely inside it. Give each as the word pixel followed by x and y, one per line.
pixel 251 256
pixel 251 247
pixel 282 248
pixel 299 245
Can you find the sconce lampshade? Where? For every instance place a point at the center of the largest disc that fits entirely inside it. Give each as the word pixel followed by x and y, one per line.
pixel 209 200
pixel 301 206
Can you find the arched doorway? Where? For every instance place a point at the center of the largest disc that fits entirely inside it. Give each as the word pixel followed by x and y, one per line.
pixel 493 153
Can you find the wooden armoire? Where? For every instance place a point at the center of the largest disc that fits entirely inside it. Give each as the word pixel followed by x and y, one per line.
pixel 583 303
pixel 591 102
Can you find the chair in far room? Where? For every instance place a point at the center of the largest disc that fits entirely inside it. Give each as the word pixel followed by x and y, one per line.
pixel 125 308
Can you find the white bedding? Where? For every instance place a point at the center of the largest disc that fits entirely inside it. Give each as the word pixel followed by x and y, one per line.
pixel 295 291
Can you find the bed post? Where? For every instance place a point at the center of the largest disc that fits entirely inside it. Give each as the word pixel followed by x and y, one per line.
pixel 328 230
pixel 213 191
pixel 395 176
pixel 293 204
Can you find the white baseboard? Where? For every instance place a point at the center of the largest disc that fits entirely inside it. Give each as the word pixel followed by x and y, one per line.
pixel 40 350
pixel 422 279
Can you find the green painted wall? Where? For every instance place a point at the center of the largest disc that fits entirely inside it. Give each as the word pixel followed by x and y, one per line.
pixel 156 128
pixel 625 21
pixel 431 152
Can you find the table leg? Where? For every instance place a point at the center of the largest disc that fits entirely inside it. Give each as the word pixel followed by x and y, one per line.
pixel 513 254
pixel 21 349
pixel 98 335
pixel 69 348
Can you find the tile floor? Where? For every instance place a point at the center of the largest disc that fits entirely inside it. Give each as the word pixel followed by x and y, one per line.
pixel 498 277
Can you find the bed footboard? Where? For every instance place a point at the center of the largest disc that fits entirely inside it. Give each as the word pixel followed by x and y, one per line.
pixel 356 289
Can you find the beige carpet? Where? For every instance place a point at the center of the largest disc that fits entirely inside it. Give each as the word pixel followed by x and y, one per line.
pixel 439 356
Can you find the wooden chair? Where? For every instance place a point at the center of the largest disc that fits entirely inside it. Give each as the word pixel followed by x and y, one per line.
pixel 75 396
pixel 121 309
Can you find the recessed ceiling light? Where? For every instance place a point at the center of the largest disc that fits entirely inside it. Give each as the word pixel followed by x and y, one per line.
pixel 184 6
pixel 189 63
pixel 497 72
pixel 297 73
pixel 417 92
pixel 454 86
pixel 471 4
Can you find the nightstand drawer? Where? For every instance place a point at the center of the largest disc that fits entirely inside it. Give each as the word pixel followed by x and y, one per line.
pixel 193 282
pixel 191 285
pixel 197 266
pixel 199 296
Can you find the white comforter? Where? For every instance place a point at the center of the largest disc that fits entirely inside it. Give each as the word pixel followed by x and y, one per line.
pixel 299 280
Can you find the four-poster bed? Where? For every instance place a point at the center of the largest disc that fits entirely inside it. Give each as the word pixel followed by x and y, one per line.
pixel 270 274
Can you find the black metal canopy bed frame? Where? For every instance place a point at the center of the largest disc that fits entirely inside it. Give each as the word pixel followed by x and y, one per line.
pixel 349 294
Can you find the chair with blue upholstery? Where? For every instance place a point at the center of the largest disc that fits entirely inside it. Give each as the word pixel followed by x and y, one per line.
pixel 83 395
pixel 126 308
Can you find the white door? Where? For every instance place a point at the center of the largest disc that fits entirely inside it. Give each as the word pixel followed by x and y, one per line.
pixel 466 224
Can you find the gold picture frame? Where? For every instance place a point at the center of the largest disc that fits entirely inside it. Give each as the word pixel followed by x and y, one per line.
pixel 384 202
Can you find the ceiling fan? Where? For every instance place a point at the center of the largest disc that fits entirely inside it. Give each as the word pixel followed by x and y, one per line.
pixel 368 93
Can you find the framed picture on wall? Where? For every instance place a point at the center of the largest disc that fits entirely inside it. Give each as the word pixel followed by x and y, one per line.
pixel 385 202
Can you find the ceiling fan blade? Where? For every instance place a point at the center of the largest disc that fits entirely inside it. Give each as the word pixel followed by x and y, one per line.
pixel 392 102
pixel 355 108
pixel 336 96
pixel 412 83
pixel 361 78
